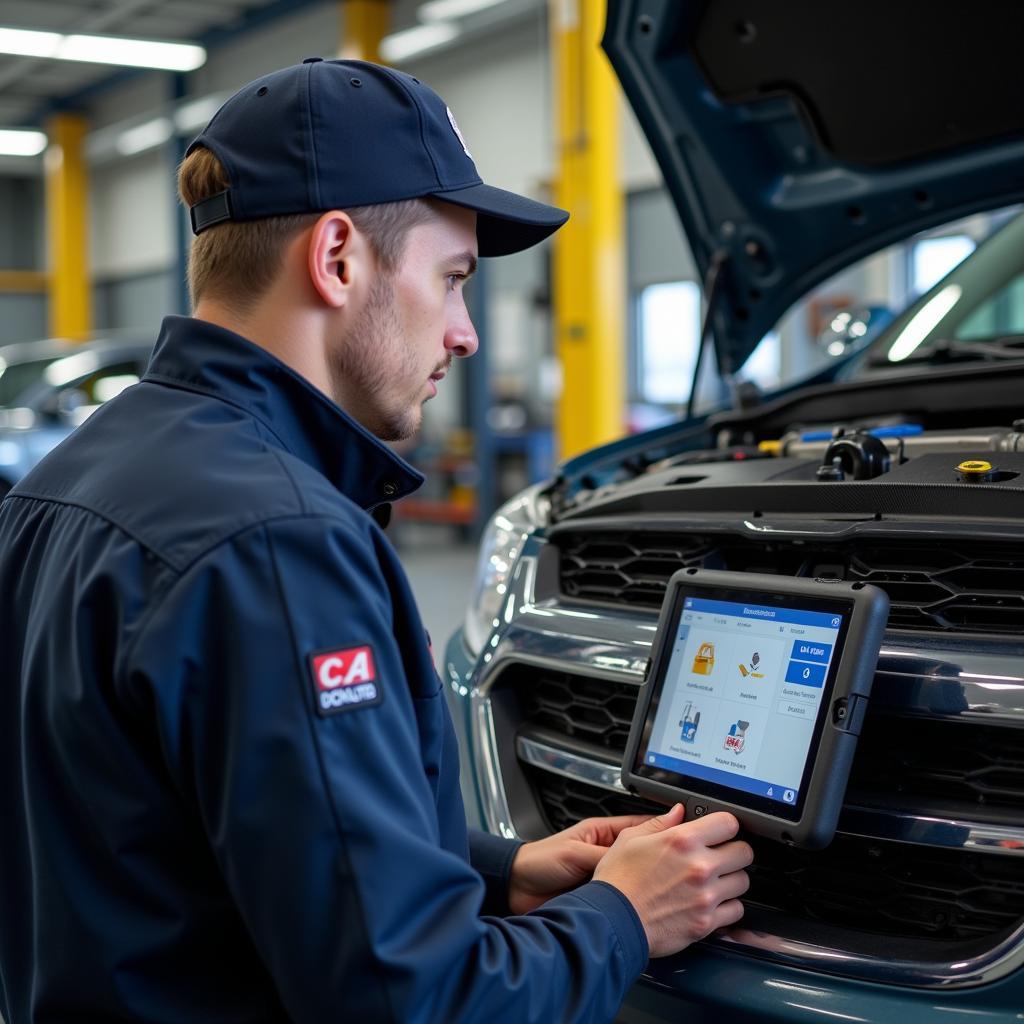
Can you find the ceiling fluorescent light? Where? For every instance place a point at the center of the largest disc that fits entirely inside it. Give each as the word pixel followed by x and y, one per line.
pixel 445 10
pixel 14 142
pixel 25 43
pixel 411 42
pixel 136 53
pixel 144 136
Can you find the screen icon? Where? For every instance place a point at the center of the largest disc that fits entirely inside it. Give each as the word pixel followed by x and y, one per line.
pixel 751 668
pixel 771 791
pixel 737 737
pixel 704 661
pixel 836 620
pixel 689 723
pixel 789 796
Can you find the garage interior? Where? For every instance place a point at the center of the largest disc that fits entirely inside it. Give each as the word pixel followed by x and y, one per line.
pixel 96 244
pixel 594 335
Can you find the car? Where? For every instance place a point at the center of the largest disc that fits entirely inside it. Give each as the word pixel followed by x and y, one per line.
pixel 49 387
pixel 796 140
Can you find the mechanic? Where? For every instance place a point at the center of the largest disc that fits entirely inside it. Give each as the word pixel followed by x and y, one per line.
pixel 228 780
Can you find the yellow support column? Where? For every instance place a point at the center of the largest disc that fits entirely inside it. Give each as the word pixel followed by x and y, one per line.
pixel 589 264
pixel 364 23
pixel 66 199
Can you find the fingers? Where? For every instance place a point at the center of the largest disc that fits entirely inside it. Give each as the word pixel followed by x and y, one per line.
pixel 712 829
pixel 660 822
pixel 726 914
pixel 585 856
pixel 731 886
pixel 604 831
pixel 733 856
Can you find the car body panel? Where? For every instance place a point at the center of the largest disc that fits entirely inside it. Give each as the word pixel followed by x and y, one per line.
pixel 34 422
pixel 797 138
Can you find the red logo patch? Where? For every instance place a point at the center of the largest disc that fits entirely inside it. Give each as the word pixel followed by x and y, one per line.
pixel 344 679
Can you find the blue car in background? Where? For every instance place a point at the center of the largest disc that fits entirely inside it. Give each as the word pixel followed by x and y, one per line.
pixel 796 138
pixel 47 388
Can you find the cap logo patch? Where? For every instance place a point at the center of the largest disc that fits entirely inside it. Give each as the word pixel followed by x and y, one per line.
pixel 458 134
pixel 344 680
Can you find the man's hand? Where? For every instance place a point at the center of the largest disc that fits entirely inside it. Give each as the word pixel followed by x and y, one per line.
pixel 684 880
pixel 561 862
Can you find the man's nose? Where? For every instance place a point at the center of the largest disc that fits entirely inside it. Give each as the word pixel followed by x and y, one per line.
pixel 460 336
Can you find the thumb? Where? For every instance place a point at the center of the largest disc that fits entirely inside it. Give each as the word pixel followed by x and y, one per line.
pixel 660 822
pixel 584 857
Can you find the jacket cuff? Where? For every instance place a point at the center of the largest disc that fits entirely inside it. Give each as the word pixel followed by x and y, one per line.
pixel 624 920
pixel 492 857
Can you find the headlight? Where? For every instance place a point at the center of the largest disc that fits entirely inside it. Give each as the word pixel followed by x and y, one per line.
pixel 500 545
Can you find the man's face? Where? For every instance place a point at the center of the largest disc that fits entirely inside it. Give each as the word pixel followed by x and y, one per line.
pixel 401 342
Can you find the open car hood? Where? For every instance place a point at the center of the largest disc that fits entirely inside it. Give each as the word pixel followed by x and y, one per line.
pixel 798 137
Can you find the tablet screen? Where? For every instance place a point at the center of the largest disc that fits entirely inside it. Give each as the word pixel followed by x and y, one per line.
pixel 742 681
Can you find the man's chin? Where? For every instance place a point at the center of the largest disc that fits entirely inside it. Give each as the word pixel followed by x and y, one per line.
pixel 400 430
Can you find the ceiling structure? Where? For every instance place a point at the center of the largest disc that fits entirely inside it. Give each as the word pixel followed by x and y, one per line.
pixel 32 86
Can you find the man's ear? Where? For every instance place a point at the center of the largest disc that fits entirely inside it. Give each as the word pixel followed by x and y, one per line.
pixel 336 253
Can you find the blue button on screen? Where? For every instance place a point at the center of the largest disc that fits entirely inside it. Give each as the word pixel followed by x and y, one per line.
pixel 805 673
pixel 810 650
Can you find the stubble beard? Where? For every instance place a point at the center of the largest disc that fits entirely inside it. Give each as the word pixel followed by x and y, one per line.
pixel 369 366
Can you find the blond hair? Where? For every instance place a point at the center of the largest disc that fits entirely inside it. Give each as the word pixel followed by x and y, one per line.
pixel 236 261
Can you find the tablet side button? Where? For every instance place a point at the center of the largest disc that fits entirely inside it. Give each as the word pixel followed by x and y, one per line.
pixel 848 713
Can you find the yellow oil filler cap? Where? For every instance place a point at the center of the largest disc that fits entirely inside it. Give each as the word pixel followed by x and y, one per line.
pixel 770 447
pixel 975 471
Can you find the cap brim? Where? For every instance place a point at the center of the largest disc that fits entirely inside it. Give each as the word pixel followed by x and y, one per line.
pixel 506 222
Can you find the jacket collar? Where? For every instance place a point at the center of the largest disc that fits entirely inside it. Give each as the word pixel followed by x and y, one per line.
pixel 200 356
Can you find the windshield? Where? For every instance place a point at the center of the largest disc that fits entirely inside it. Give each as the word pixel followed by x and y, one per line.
pixel 17 378
pixel 974 313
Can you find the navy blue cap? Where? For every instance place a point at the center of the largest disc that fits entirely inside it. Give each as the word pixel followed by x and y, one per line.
pixel 332 134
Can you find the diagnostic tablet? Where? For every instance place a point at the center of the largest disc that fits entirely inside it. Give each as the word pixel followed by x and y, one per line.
pixel 754 698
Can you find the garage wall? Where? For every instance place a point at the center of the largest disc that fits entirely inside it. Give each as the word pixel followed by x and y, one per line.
pixel 22 247
pixel 131 210
pixel 310 32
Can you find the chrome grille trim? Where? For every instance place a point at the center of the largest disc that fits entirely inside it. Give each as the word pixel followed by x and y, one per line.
pixel 861 821
pixel 563 762
pixel 577 638
pixel 1003 959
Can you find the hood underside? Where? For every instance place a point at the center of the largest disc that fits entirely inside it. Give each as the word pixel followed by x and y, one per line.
pixel 796 138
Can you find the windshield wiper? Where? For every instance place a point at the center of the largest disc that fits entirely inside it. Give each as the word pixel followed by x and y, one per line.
pixel 956 350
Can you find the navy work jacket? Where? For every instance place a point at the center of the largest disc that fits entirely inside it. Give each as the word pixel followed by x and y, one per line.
pixel 228 780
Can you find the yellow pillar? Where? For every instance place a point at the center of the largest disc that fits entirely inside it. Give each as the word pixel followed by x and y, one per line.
pixel 589 264
pixel 66 198
pixel 364 23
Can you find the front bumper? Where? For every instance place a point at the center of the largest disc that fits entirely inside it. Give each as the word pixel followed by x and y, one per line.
pixel 745 975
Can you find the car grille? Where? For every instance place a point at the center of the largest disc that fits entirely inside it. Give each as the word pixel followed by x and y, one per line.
pixel 918 765
pixel 891 889
pixel 944 586
pixel 900 762
pixel 592 710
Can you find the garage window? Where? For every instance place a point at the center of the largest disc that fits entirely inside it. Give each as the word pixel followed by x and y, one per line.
pixel 668 331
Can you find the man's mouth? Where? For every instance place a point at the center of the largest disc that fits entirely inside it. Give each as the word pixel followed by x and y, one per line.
pixel 435 378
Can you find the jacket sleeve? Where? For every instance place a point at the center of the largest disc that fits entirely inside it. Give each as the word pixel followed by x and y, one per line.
pixel 324 824
pixel 492 857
